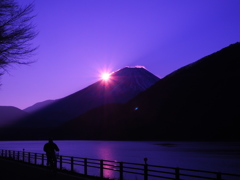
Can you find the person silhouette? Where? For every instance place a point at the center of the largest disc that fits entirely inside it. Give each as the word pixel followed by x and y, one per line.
pixel 50 147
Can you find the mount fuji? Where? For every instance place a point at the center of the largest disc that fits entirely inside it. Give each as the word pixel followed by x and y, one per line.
pixel 122 86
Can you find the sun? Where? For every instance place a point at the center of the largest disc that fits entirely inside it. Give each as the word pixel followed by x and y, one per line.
pixel 105 76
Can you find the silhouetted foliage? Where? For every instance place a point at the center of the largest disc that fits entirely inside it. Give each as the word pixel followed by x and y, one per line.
pixel 16 34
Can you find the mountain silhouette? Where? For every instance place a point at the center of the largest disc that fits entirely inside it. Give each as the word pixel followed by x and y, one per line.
pixel 9 115
pixel 199 101
pixel 123 85
pixel 38 106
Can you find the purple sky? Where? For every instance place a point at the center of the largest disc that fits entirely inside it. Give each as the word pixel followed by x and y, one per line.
pixel 80 38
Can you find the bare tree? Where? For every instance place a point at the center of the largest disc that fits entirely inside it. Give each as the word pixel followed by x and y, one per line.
pixel 16 34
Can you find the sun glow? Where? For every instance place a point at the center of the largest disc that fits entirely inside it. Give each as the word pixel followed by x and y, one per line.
pixel 105 76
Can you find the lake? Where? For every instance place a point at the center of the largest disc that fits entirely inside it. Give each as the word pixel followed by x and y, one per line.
pixel 211 156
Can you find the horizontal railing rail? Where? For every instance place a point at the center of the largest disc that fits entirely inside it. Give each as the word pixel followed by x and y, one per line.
pixel 121 169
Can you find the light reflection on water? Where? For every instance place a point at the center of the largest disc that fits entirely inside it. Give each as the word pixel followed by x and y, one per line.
pixel 213 156
pixel 106 153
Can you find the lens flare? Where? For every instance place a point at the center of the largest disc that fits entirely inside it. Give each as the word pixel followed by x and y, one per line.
pixel 105 76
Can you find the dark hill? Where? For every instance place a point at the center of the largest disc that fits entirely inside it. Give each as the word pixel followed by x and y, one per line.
pixel 197 102
pixel 10 115
pixel 38 106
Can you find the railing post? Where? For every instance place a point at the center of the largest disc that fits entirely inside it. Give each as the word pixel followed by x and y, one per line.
pixel 121 170
pixel 177 174
pixel 145 169
pixel 29 157
pixel 35 158
pixel 14 155
pixel 60 159
pixel 43 159
pixel 101 168
pixel 18 156
pixel 85 166
pixel 71 163
pixel 23 158
pixel 219 176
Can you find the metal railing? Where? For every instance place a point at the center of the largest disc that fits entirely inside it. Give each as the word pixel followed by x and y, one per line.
pixel 105 168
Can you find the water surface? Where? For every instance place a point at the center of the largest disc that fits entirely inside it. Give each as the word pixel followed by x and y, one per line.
pixel 212 156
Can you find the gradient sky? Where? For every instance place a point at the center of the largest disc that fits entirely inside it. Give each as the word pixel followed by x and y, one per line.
pixel 80 38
